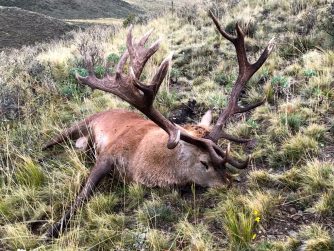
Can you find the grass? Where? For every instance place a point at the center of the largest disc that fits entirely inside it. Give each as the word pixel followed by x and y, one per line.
pixel 292 164
pixel 78 9
pixel 194 237
pixel 27 28
pixel 325 204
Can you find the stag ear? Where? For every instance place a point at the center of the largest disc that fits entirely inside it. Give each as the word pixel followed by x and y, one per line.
pixel 206 119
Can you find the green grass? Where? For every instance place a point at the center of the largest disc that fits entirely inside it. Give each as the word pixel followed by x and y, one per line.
pixel 76 9
pixel 292 164
pixel 22 27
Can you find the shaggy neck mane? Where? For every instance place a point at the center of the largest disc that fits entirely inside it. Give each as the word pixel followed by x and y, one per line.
pixel 196 130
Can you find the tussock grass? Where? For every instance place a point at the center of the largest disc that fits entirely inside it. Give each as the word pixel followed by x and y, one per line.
pixel 318 175
pixel 261 203
pixel 299 146
pixel 194 237
pixel 238 223
pixel 291 150
pixel 19 236
pixel 155 212
pixel 325 204
pixel 29 174
pixel 314 237
pixel 158 240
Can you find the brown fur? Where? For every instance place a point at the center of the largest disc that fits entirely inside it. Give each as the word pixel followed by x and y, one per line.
pixel 135 149
pixel 197 130
pixel 141 145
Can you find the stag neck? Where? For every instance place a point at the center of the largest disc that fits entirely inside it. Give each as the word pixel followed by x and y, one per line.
pixel 172 130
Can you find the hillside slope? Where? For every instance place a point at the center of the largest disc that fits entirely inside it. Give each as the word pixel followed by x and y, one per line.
pixel 20 27
pixel 284 201
pixel 76 9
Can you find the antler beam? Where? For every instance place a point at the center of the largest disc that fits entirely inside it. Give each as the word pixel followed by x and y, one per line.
pixel 246 71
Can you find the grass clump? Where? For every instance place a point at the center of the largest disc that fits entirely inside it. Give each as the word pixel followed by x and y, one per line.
pixel 280 81
pixel 261 178
pixel 158 240
pixel 291 178
pixel 238 216
pixel 308 73
pixel 194 237
pixel 294 149
pixel 20 204
pixel 315 131
pixel 297 147
pixel 30 174
pixel 310 238
pixel 313 177
pixel 239 226
pixel 224 80
pixel 102 203
pixel 318 176
pixel 136 193
pixel 315 238
pixel 261 203
pixel 325 205
pixel 293 120
pixel 155 212
pixel 19 237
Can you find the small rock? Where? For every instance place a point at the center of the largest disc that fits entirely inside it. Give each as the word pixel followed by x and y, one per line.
pixel 292 210
pixel 292 233
pixel 271 237
pixel 296 217
pixel 184 81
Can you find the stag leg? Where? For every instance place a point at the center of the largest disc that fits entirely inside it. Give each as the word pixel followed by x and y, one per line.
pixel 102 168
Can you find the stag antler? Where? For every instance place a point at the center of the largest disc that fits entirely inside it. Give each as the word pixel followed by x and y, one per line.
pixel 141 96
pixel 130 89
pixel 246 71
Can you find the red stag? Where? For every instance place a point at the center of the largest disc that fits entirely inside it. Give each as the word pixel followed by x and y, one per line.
pixel 155 152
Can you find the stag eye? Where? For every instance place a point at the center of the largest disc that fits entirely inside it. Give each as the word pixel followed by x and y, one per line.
pixel 205 165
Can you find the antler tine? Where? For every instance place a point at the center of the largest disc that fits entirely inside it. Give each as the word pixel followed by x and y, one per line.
pixel 232 138
pixel 265 54
pixel 237 164
pixel 144 38
pixel 138 53
pixel 121 63
pixel 220 28
pixel 151 90
pixel 250 106
pixel 162 72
